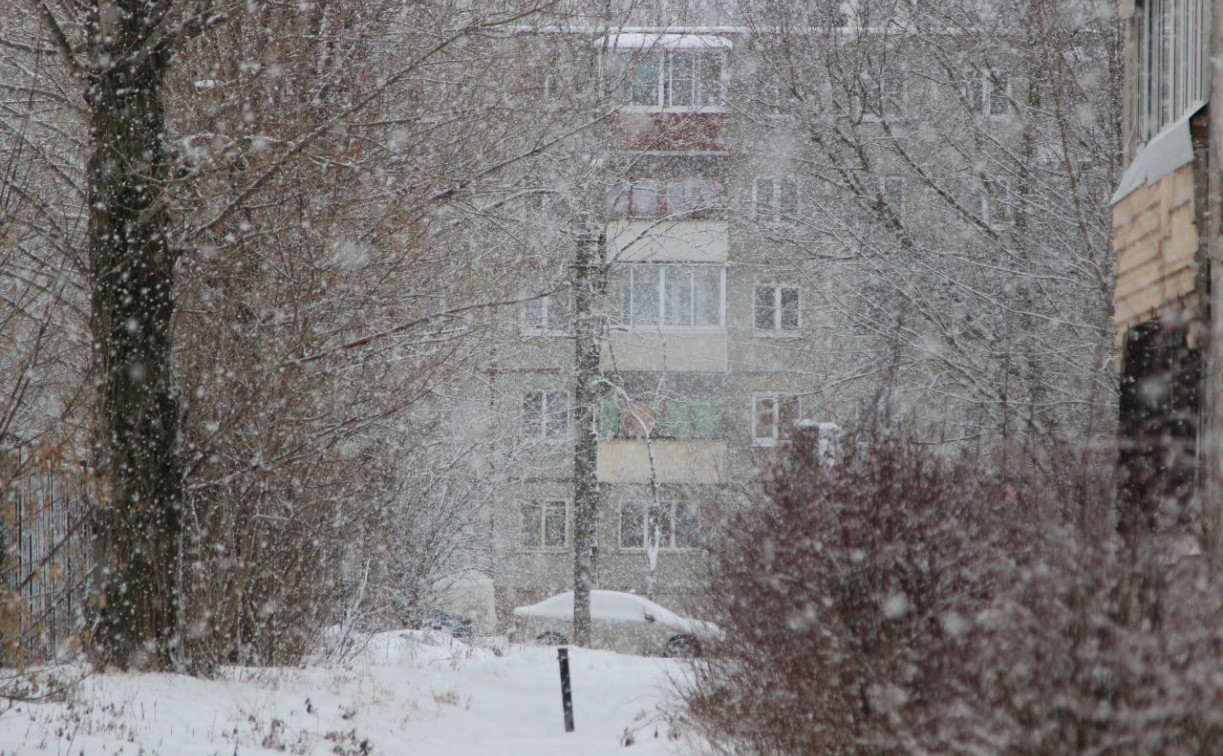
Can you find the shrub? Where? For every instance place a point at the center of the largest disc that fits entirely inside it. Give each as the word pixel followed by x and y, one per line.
pixel 901 603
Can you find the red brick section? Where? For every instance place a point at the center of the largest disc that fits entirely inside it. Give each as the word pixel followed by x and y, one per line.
pixel 667 131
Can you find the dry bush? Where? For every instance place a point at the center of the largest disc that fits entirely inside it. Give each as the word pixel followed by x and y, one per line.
pixel 899 603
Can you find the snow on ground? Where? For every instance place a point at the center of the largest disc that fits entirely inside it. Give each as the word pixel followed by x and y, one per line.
pixel 404 692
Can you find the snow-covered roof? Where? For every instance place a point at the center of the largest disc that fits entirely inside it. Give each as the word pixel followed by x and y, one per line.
pixel 1169 150
pixel 665 41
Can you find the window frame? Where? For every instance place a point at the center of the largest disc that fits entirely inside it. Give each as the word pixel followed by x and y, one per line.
pixel 887 95
pixel 775 437
pixel 647 508
pixel 654 418
pixel 984 95
pixel 533 325
pixel 625 298
pixel 545 507
pixel 992 201
pixel 538 427
pixel 667 73
pixel 892 189
pixel 701 198
pixel 775 210
pixel 1172 62
pixel 778 328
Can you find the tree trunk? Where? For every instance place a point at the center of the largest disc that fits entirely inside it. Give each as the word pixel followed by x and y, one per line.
pixel 133 612
pixel 588 278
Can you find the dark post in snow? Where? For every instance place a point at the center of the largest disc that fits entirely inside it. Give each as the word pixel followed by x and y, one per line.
pixel 562 655
pixel 589 282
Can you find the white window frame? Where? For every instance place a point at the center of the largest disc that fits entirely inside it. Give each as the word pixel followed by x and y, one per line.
pixel 543 508
pixel 887 99
pixel 701 197
pixel 892 189
pixel 782 202
pixel 1173 51
pixel 667 73
pixel 648 510
pixel 772 98
pixel 775 436
pixel 988 92
pixel 778 327
pixel 538 425
pixel 539 315
pixel 991 201
pixel 656 275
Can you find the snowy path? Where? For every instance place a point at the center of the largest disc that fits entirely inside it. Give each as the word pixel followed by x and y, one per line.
pixel 405 694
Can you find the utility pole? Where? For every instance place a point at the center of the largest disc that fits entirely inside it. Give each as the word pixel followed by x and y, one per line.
pixel 589 283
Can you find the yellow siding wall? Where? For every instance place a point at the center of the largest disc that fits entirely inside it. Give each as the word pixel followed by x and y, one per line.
pixel 1156 243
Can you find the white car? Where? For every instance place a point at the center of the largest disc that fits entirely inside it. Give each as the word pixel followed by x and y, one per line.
pixel 618 622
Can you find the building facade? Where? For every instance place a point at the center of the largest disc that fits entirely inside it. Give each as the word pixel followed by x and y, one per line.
pixel 1166 237
pixel 853 222
pixel 700 377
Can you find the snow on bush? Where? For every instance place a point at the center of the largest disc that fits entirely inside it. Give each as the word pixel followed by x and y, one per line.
pixel 899 603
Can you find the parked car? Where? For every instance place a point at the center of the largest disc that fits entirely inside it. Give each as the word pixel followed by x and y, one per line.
pixel 618 622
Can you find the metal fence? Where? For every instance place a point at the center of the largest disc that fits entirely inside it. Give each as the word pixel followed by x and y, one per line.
pixel 43 558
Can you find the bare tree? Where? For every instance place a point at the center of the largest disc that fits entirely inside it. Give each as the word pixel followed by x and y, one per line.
pixel 286 251
pixel 950 168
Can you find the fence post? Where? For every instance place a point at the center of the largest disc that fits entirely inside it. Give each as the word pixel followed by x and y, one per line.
pixel 562 655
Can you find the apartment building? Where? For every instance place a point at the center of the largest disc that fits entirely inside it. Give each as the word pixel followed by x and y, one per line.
pixel 699 380
pixel 888 228
pixel 1166 238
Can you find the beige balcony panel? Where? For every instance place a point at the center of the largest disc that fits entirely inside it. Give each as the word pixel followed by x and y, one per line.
pixel 668 241
pixel 659 351
pixel 674 461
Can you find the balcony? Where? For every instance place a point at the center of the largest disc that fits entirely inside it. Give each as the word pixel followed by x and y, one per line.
pixel 668 240
pixel 674 461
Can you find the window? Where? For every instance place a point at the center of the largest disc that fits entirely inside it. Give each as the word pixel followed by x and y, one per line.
pixel 673 296
pixel 545 414
pixel 677 80
pixel 680 197
pixel 772 95
pixel 1172 58
pixel 987 92
pixel 636 419
pixel 548 314
pixel 773 419
pixel 545 524
pixel 885 94
pixel 776 309
pixel 661 417
pixel 692 418
pixel 667 525
pixel 892 188
pixel 775 199
pixel 643 200
pixel 893 90
pixel 990 199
